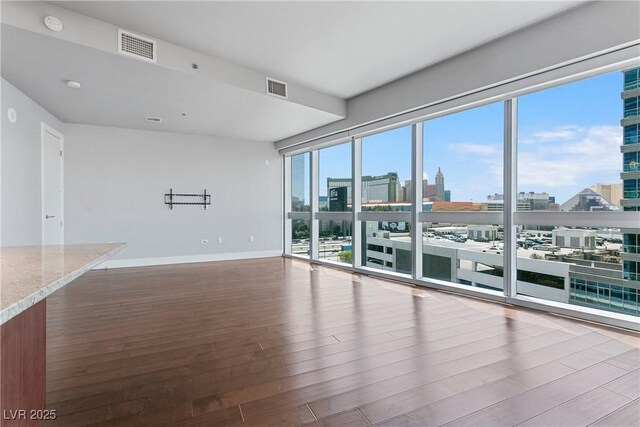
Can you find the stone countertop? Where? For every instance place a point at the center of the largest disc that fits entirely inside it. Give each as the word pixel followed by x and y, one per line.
pixel 29 274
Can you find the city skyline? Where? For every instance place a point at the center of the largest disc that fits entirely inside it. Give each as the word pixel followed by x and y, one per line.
pixel 564 146
pixel 587 266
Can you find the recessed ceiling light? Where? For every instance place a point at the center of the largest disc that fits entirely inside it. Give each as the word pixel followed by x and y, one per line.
pixel 53 23
pixel 73 84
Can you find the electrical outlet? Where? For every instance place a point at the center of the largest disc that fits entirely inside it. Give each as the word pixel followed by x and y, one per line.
pixel 204 241
pixel 251 238
pixel 219 239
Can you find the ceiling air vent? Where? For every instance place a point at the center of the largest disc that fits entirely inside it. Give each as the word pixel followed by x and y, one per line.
pixel 139 47
pixel 276 88
pixel 153 119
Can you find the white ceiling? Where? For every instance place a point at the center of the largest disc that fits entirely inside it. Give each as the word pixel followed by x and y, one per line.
pixel 340 48
pixel 118 91
pixel 336 48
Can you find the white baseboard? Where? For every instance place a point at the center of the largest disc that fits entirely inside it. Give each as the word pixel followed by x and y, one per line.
pixel 144 262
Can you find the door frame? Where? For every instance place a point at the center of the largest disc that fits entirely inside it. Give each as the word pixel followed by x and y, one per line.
pixel 44 129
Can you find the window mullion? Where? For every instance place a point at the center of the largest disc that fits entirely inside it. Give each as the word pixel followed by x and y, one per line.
pixel 416 199
pixel 286 242
pixel 313 196
pixel 356 201
pixel 510 196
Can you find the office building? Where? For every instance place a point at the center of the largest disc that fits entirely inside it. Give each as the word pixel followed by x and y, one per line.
pixel 631 175
pixel 526 202
pixel 380 189
pixel 612 193
pixel 202 221
pixel 298 189
pixel 426 190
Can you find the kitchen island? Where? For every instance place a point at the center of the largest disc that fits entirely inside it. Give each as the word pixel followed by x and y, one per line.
pixel 28 275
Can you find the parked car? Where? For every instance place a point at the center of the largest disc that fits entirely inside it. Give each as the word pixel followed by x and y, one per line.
pixel 545 247
pixel 493 250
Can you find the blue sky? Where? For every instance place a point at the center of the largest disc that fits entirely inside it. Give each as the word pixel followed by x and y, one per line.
pixel 568 139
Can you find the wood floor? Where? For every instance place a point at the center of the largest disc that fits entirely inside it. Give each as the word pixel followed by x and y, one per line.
pixel 279 342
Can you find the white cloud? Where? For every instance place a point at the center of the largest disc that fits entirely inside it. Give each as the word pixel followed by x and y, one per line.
pixel 476 170
pixel 590 150
pixel 526 141
pixel 471 148
pixel 425 176
pixel 559 133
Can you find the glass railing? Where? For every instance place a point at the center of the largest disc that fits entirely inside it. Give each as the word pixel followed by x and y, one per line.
pixel 631 84
pixel 631 133
pixel 334 242
pixel 603 295
pixel 631 79
pixel 300 237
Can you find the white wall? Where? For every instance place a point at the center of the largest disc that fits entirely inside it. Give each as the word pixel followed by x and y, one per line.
pixel 116 180
pixel 20 152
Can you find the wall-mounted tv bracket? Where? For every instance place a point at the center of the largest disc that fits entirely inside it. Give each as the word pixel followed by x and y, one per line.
pixel 169 199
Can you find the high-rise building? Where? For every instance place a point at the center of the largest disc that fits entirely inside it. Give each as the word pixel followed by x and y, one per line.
pixel 406 193
pixel 611 192
pixel 439 185
pixel 382 188
pixel 298 179
pixel 426 190
pixel 631 175
pixel 526 201
pixel 430 192
pixel 435 192
pixel 591 283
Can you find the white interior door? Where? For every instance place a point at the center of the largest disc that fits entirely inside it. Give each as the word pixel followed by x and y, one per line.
pixel 52 187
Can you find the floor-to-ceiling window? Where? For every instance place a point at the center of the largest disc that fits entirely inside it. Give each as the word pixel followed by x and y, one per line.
pixel 385 219
pixel 431 200
pixel 335 185
pixel 462 197
pixel 570 162
pixel 300 205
